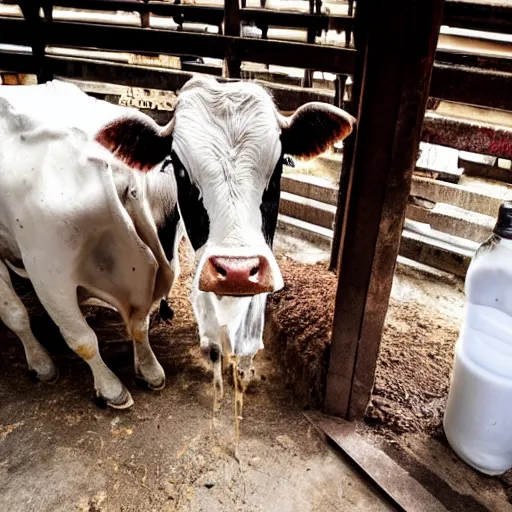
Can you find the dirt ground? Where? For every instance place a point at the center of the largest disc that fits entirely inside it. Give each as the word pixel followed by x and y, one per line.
pixel 404 418
pixel 60 452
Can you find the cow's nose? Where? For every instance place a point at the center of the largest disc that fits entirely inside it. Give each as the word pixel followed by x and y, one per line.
pixel 226 275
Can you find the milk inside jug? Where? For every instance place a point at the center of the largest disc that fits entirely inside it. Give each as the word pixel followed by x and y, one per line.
pixel 478 416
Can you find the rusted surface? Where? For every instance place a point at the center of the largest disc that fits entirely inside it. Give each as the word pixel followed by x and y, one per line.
pixel 467 135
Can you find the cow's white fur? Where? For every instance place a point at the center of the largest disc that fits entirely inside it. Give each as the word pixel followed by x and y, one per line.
pixel 227 137
pixel 79 221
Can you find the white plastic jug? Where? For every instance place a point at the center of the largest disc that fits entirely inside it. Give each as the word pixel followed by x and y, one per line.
pixel 478 416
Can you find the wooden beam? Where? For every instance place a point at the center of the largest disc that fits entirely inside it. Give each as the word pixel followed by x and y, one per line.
pixel 399 58
pixel 360 42
pixel 143 40
pixel 468 135
pixel 404 491
pixel 480 60
pixel 483 87
pixel 486 202
pixel 488 16
pixel 213 15
pixel 453 221
pixel 287 97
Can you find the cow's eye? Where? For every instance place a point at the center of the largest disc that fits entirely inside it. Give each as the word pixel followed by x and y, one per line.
pixel 181 173
pixel 166 165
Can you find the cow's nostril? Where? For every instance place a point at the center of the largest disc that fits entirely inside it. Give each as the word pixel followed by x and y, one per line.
pixel 221 271
pixel 254 271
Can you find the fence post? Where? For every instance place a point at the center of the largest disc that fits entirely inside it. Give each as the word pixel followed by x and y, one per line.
pixel 398 60
pixel 232 64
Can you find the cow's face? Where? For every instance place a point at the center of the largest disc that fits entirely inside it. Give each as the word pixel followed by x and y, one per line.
pixel 227 143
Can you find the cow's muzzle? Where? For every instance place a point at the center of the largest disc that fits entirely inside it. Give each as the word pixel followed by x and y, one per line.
pixel 237 275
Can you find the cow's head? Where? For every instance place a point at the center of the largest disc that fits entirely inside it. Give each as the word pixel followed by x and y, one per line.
pixel 227 143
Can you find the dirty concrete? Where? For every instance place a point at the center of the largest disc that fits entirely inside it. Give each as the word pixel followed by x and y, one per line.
pixel 59 452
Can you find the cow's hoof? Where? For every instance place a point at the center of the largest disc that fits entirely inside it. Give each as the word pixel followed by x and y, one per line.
pixel 49 374
pixel 165 312
pixel 49 377
pixel 157 385
pixel 123 401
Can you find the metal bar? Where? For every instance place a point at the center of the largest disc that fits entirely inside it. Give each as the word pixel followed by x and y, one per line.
pixel 396 78
pixel 139 40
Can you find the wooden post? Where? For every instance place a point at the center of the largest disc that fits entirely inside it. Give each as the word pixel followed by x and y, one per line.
pixel 361 43
pixel 395 83
pixel 144 17
pixel 232 64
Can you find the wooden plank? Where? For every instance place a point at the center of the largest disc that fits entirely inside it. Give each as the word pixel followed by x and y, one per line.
pixel 140 40
pixel 392 479
pixel 310 187
pixel 399 60
pixel 439 160
pixel 360 34
pixel 213 15
pixel 435 253
pixel 485 202
pixel 453 220
pixel 308 210
pixel 484 167
pixel 478 59
pixel 468 135
pixel 491 17
pixel 287 97
pixel 483 87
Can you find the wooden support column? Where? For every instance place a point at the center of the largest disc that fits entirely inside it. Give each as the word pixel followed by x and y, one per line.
pixel 144 17
pixel 232 64
pixel 399 55
pixel 361 43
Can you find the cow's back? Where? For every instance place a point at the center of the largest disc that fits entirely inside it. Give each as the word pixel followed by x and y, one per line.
pixel 61 211
pixel 61 104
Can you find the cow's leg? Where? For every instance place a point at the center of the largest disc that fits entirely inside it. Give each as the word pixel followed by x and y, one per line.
pixel 62 305
pixel 14 315
pixel 146 365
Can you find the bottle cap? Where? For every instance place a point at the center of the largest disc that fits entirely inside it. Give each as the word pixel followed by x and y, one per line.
pixel 503 225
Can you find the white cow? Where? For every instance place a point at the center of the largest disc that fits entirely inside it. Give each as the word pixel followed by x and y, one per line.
pixel 94 228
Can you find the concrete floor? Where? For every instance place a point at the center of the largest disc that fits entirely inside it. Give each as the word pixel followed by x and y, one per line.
pixel 59 452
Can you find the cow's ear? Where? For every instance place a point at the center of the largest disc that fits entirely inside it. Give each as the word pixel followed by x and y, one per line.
pixel 139 143
pixel 313 129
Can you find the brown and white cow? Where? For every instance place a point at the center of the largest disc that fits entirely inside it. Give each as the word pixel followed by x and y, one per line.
pixel 95 227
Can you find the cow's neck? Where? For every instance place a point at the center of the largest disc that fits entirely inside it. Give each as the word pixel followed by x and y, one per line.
pixel 161 189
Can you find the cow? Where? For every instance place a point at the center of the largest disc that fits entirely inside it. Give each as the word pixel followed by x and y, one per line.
pixel 216 166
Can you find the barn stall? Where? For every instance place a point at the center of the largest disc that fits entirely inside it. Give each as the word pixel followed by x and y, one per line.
pixel 324 330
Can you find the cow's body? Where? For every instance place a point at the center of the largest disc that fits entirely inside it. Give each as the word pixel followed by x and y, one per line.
pixel 81 226
pixel 95 228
